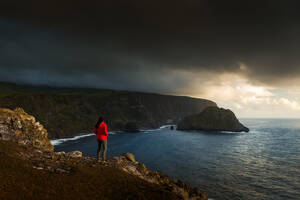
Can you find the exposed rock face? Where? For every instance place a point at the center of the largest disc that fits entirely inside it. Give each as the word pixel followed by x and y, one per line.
pixel 212 119
pixel 131 127
pixel 16 125
pixel 130 157
pixel 135 168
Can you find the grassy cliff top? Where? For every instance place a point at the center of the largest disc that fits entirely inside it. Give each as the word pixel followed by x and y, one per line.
pixel 22 181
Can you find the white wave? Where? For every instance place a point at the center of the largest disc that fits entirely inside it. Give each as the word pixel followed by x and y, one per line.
pixel 59 141
pixel 251 131
pixel 231 132
pixel 256 131
pixel 167 126
pixel 150 130
pixel 157 129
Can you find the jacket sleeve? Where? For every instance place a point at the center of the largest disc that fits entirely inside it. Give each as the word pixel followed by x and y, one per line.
pixel 105 130
pixel 95 131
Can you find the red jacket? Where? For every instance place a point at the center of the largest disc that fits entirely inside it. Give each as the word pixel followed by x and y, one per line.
pixel 101 131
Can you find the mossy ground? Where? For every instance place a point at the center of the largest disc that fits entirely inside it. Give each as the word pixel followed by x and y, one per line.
pixel 19 180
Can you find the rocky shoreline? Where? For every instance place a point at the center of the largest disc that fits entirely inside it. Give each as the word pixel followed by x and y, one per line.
pixel 63 163
pixel 35 149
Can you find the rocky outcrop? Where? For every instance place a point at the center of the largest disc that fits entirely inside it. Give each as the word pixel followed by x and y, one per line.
pixel 130 157
pixel 16 125
pixel 66 163
pixel 128 164
pixel 212 119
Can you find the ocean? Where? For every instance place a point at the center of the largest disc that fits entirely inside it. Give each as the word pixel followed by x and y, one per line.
pixel 263 164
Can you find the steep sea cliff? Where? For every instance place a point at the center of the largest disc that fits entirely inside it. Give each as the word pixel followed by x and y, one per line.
pixel 65 111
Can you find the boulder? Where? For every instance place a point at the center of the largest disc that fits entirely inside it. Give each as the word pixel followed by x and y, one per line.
pixel 130 157
pixel 75 154
pixel 16 125
pixel 61 153
pixel 212 119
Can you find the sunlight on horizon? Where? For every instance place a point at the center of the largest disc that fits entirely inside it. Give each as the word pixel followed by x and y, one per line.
pixel 247 100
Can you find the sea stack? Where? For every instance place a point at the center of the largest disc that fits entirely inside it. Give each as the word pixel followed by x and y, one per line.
pixel 212 119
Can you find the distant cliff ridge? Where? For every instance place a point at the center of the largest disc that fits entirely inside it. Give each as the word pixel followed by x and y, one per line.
pixel 212 119
pixel 68 111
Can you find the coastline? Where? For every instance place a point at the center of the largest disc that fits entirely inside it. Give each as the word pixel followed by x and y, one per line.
pixel 56 142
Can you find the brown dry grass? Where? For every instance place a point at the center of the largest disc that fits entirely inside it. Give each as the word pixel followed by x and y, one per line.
pixel 18 180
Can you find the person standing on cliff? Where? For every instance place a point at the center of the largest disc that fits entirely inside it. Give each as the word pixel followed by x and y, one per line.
pixel 101 131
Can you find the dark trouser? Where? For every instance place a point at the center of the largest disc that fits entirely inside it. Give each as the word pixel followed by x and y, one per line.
pixel 100 142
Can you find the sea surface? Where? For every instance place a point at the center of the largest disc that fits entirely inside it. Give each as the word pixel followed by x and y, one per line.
pixel 261 164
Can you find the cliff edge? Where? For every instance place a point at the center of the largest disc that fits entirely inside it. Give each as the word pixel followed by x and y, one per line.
pixel 32 170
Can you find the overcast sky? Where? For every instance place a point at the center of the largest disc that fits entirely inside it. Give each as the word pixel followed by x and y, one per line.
pixel 244 55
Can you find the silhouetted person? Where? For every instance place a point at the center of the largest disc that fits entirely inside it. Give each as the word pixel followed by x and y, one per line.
pixel 101 131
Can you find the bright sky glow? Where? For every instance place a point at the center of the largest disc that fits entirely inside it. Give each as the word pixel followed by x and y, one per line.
pixel 248 100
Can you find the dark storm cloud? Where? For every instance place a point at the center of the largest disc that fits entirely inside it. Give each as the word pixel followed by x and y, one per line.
pixel 141 44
